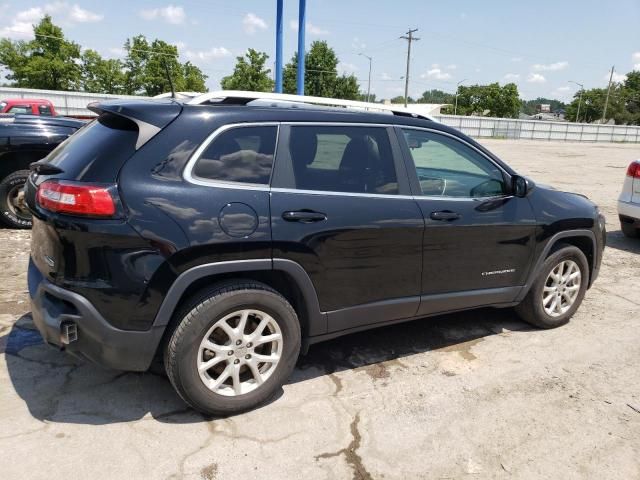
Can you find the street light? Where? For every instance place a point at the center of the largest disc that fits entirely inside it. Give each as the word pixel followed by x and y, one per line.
pixel 455 109
pixel 369 82
pixel 579 98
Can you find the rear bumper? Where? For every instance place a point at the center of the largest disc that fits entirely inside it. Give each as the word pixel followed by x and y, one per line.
pixel 630 211
pixel 54 309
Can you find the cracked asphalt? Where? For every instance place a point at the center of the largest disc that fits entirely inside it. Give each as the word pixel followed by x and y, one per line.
pixel 477 394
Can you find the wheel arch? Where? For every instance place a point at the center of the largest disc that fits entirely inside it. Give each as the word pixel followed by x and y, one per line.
pixel 285 276
pixel 585 240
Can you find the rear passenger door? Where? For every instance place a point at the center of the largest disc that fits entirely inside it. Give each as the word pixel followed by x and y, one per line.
pixel 341 208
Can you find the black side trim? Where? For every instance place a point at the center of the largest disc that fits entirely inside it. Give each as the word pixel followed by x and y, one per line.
pixel 317 321
pixel 455 301
pixel 547 248
pixel 372 313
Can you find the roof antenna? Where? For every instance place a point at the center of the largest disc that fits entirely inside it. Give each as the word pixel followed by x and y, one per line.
pixel 166 69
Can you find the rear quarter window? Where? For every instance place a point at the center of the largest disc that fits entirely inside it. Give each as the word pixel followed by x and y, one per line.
pixel 240 154
pixel 97 151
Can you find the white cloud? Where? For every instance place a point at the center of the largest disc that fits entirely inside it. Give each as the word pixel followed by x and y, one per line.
pixel 252 23
pixel 358 44
pixel 436 73
pixel 637 67
pixel 385 76
pixel 81 15
pixel 550 67
pixel 311 28
pixel 563 89
pixel 617 77
pixel 170 14
pixel 344 67
pixel 536 78
pixel 118 52
pixel 510 77
pixel 21 26
pixel 562 93
pixel 451 66
pixel 636 58
pixel 206 55
pixel 516 59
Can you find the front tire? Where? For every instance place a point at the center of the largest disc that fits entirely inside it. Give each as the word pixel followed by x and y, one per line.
pixel 14 213
pixel 234 346
pixel 558 290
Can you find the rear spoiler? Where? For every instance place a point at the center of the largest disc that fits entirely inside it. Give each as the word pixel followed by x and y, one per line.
pixel 150 116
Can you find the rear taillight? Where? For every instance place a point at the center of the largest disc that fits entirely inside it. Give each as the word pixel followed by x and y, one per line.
pixel 634 169
pixel 76 198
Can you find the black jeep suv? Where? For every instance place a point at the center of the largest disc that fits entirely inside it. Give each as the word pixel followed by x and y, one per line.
pixel 226 236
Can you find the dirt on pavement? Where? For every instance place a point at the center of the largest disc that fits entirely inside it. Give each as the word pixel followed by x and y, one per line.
pixel 477 394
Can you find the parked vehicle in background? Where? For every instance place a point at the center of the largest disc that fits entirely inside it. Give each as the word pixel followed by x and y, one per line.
pixel 225 234
pixel 629 202
pixel 28 106
pixel 25 139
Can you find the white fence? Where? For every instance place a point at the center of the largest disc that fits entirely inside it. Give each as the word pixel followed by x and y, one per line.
pixel 65 103
pixel 484 127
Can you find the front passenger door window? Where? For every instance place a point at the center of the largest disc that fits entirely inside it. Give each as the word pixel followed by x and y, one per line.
pixel 448 168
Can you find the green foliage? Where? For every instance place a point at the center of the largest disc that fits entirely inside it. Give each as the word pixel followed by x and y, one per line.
pixel 528 107
pixel 146 65
pixel 623 107
pixel 400 99
pixel 321 77
pixel 489 100
pixel 437 96
pixel 48 62
pixel 100 75
pixel 249 74
pixel 54 63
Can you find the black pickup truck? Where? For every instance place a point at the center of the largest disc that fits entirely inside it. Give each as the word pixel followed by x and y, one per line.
pixel 25 139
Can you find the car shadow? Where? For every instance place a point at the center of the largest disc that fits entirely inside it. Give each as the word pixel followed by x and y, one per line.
pixel 56 387
pixel 617 241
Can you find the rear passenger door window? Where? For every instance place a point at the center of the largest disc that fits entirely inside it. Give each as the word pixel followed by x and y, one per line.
pixel 240 154
pixel 351 159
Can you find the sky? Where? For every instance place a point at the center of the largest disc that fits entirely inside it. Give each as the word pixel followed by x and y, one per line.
pixel 540 45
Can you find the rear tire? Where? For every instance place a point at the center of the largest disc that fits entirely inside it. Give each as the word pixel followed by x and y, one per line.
pixel 218 359
pixel 630 230
pixel 11 213
pixel 563 279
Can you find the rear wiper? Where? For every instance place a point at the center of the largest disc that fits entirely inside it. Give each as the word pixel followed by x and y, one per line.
pixel 45 168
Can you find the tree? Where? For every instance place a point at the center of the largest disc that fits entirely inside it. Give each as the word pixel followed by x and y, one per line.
pixel 49 61
pixel 146 65
pixel 249 74
pixel 490 100
pixel 436 96
pixel 100 75
pixel 321 74
pixel 528 107
pixel 400 99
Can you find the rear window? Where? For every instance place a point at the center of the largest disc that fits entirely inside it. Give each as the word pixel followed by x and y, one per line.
pixel 97 151
pixel 242 154
pixel 45 110
pixel 20 109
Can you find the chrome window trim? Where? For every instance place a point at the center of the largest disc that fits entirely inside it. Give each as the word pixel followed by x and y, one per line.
pixel 195 156
pixel 340 194
pixel 461 140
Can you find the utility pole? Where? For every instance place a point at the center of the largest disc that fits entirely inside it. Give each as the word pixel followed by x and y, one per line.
pixel 455 109
pixel 579 99
pixel 369 82
pixel 409 38
pixel 606 101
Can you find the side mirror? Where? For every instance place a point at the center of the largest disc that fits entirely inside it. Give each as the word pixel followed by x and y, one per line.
pixel 521 186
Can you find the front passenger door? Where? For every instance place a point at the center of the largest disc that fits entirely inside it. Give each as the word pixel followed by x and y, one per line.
pixel 478 238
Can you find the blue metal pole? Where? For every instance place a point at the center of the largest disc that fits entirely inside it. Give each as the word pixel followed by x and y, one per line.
pixel 279 47
pixel 302 21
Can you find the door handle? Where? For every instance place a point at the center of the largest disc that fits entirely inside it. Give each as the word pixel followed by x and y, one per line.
pixel 304 216
pixel 445 215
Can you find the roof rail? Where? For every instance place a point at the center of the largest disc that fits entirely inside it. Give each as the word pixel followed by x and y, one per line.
pixel 241 97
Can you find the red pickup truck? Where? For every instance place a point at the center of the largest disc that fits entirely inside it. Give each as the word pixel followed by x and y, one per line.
pixel 29 106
